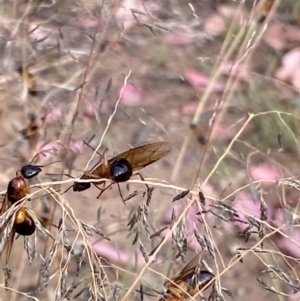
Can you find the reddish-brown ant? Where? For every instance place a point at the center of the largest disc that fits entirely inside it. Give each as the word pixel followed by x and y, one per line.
pixel 18 189
pixel 29 81
pixel 188 282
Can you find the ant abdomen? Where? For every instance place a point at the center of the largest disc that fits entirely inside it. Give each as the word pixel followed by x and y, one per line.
pixel 26 228
pixel 17 189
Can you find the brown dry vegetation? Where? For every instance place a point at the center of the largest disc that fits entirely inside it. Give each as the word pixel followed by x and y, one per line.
pixel 198 70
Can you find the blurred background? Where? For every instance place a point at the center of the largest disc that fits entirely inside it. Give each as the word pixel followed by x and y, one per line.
pixel 218 80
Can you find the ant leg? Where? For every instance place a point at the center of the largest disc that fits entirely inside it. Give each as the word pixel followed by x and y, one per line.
pixel 102 190
pixel 88 145
pixel 48 174
pixel 103 158
pixel 45 222
pixel 143 179
pixel 98 196
pixel 90 140
pixel 120 192
pixel 67 190
pixel 99 184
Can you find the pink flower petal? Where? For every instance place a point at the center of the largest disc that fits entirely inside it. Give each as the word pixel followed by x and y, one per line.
pixel 77 146
pixel 241 72
pixel 46 150
pixel 131 95
pixel 200 80
pixel 191 218
pixel 53 115
pixel 92 109
pixel 178 38
pixel 116 256
pixel 124 15
pixel 289 71
pixel 275 36
pixel 196 78
pixel 214 25
pixel 295 297
pixel 46 37
pixel 231 12
pixel 287 245
pixel 190 107
pixel 83 23
pixel 244 204
pixel 265 173
pixel 222 132
pixel 281 36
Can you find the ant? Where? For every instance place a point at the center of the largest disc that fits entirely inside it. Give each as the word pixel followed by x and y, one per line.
pixel 23 219
pixel 123 166
pixel 189 282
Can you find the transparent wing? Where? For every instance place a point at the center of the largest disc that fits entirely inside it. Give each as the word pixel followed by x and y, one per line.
pixel 7 231
pixel 141 156
pixel 188 270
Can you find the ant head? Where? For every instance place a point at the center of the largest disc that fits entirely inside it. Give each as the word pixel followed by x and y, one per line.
pixel 29 171
pixel 77 186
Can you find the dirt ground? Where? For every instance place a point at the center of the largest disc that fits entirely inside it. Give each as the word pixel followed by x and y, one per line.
pixel 80 51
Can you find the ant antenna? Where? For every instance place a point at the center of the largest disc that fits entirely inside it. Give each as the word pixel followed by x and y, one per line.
pixel 53 149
